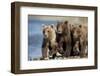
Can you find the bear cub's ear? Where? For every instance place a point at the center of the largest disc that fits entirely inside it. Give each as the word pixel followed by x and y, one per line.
pixel 80 26
pixel 43 26
pixel 65 22
pixel 53 26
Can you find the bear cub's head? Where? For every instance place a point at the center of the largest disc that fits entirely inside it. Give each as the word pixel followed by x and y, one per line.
pixel 49 31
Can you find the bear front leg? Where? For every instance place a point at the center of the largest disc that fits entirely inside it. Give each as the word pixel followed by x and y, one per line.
pixel 45 53
pixel 82 49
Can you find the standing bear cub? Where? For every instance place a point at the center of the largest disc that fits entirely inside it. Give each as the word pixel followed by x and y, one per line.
pixel 49 45
pixel 64 38
pixel 79 40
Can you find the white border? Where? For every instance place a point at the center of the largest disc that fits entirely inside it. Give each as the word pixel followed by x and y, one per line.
pixel 25 64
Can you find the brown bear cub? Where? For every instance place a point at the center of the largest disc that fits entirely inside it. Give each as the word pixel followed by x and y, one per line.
pixel 79 40
pixel 49 45
pixel 64 38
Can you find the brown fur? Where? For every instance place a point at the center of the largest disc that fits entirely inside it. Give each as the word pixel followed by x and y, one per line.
pixel 63 32
pixel 49 41
pixel 79 33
